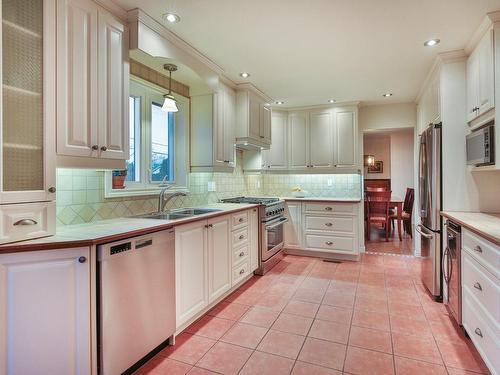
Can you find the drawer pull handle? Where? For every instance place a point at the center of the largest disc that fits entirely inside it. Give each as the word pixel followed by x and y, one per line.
pixel 242 272
pixel 82 259
pixel 242 254
pixel 240 220
pixel 328 208
pixel 328 224
pixel 241 237
pixel 329 243
pixel 478 286
pixel 25 222
pixel 478 332
pixel 478 249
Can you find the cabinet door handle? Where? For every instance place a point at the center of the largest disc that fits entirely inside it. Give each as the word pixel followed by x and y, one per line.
pixel 478 249
pixel 82 260
pixel 478 286
pixel 328 208
pixel 478 332
pixel 242 271
pixel 261 136
pixel 328 224
pixel 329 243
pixel 25 222
pixel 52 189
pixel 103 148
pixel 95 147
pixel 240 220
pixel 241 237
pixel 226 161
pixel 242 254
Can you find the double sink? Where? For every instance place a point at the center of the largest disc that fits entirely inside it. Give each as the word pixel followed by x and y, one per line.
pixel 180 213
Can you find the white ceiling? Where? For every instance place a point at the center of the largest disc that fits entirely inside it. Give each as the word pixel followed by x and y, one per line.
pixel 305 52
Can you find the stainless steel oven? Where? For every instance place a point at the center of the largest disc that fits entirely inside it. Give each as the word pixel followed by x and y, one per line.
pixel 272 237
pixel 481 146
pixel 451 266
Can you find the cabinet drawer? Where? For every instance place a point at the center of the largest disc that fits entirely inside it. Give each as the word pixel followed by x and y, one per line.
pixel 343 224
pixel 239 237
pixel 330 243
pixel 25 221
pixel 240 255
pixel 486 253
pixel 485 338
pixel 240 272
pixel 239 220
pixel 334 208
pixel 484 286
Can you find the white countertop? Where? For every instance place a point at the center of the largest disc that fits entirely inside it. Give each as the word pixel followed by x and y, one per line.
pixel 322 199
pixel 104 231
pixel 483 224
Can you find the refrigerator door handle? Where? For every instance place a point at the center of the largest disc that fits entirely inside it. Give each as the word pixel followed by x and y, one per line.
pixel 420 230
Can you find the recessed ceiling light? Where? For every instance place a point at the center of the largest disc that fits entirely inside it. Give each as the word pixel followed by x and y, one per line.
pixel 245 75
pixel 331 100
pixel 387 94
pixel 171 17
pixel 431 42
pixel 279 102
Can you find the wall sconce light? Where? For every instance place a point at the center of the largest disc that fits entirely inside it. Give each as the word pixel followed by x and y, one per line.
pixel 368 160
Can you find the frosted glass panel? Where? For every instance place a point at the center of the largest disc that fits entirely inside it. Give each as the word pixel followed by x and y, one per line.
pixel 22 94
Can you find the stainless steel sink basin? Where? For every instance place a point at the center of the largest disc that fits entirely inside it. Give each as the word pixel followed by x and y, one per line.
pixel 179 214
pixel 195 211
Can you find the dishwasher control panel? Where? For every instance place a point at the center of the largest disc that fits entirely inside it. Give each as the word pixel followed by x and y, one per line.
pixel 117 249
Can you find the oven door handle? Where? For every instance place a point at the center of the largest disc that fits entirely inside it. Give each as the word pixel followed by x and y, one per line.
pixel 277 223
pixel 419 229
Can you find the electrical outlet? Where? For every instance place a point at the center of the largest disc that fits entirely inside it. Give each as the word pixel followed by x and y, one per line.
pixel 211 186
pixel 329 182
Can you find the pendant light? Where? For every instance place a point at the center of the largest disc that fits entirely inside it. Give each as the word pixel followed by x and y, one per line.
pixel 170 104
pixel 369 160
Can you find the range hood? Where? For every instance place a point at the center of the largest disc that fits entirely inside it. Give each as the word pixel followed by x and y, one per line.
pixel 250 144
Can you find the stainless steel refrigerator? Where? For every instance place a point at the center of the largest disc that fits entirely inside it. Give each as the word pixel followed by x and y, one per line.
pixel 430 198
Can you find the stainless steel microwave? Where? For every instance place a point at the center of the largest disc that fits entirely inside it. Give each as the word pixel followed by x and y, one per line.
pixel 481 146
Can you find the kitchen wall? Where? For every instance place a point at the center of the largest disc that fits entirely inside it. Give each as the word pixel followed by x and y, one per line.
pixel 80 192
pixel 388 116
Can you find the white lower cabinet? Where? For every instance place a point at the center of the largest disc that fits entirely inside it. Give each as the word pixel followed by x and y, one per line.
pixel 45 312
pixel 326 227
pixel 219 258
pixel 208 261
pixel 254 239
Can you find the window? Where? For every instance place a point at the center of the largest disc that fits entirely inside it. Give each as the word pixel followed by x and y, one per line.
pixel 158 143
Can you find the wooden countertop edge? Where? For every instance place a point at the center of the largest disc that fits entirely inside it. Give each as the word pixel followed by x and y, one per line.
pixel 473 229
pixel 17 247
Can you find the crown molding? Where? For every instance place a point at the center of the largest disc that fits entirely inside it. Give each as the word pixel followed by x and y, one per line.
pixel 492 18
pixel 318 107
pixel 250 87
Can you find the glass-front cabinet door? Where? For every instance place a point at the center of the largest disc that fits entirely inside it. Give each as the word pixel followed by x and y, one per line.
pixel 27 101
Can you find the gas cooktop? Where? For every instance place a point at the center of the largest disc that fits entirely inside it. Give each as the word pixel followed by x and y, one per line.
pixel 251 200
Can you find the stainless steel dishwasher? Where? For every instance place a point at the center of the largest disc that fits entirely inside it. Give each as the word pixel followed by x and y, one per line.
pixel 136 297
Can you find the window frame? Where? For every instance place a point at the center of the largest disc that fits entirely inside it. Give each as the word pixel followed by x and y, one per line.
pixel 148 94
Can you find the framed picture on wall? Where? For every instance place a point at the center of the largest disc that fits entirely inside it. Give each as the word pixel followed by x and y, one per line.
pixel 377 167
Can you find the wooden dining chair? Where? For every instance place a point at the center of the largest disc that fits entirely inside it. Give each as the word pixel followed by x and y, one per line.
pixel 377 210
pixel 372 189
pixel 406 214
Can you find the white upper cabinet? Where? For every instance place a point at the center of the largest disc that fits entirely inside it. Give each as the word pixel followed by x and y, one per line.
pixel 253 119
pixel 113 71
pixel 480 78
pixel 345 139
pixel 45 314
pixel 92 82
pixel 212 131
pixel 27 146
pixel 320 139
pixel 276 156
pixel 298 123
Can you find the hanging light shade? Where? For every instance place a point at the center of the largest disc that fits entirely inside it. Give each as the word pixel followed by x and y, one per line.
pixel 170 104
pixel 369 160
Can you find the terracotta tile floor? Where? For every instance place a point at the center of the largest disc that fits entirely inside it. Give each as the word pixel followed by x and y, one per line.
pixel 312 317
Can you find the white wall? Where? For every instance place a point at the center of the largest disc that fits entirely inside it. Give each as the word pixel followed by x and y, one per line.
pixel 380 147
pixel 387 116
pixel 401 162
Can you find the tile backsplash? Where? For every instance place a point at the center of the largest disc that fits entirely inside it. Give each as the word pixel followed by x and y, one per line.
pixel 80 192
